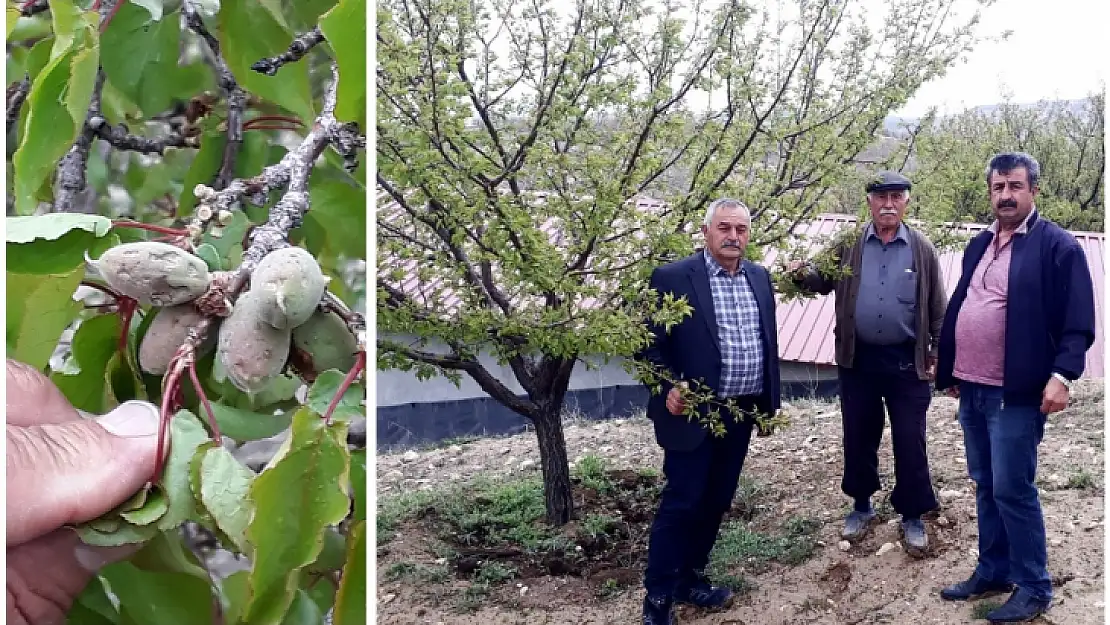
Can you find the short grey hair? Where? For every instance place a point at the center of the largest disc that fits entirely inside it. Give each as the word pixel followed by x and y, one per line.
pixel 1006 162
pixel 725 202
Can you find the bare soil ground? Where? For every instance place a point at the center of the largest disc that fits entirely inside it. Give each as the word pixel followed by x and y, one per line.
pixel 459 542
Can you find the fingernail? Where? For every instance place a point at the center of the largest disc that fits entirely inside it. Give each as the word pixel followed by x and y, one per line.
pixel 131 419
pixel 92 559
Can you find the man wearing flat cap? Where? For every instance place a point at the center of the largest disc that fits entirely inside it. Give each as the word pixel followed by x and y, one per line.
pixel 889 311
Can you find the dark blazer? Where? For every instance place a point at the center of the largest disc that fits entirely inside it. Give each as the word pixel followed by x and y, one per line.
pixel 691 350
pixel 1050 311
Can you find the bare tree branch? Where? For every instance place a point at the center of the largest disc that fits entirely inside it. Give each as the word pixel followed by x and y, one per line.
pixel 300 47
pixel 17 94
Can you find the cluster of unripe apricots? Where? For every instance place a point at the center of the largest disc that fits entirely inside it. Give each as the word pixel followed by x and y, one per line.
pixel 280 309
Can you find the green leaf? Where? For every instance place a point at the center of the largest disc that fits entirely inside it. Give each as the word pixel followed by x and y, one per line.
pixel 290 87
pixel 58 256
pixel 254 154
pixel 39 309
pixel 210 255
pixel 155 507
pixel 324 390
pixel 167 553
pixel 235 593
pixel 337 220
pixel 93 606
pixel 303 611
pixel 12 16
pixel 224 484
pixel 322 591
pixel 229 245
pixel 201 514
pixel 188 434
pixel 140 56
pixel 163 598
pixel 51 227
pixel 154 6
pixel 39 57
pixel 358 484
pixel 296 498
pixel 344 29
pixel 244 425
pixel 47 135
pixel 68 20
pixel 332 555
pixel 350 603
pixel 82 82
pixel 205 166
pixel 123 383
pixel 94 344
pixel 124 534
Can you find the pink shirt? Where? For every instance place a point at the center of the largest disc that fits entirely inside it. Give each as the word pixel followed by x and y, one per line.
pixel 981 323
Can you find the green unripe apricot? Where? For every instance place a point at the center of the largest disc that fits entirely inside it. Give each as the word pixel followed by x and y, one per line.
pixel 166 334
pixel 154 273
pixel 251 351
pixel 290 285
pixel 327 342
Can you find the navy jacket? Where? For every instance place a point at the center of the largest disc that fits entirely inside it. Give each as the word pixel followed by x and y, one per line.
pixel 1050 311
pixel 691 350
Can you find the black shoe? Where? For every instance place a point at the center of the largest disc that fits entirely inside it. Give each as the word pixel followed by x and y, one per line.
pixel 974 588
pixel 658 611
pixel 1019 608
pixel 701 594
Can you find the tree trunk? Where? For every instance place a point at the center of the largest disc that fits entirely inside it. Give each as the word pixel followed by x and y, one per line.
pixel 556 470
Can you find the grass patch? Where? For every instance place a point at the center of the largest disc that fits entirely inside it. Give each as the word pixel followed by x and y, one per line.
pixel 1081 480
pixel 740 548
pixel 593 472
pixel 419 573
pixel 492 573
pixel 981 609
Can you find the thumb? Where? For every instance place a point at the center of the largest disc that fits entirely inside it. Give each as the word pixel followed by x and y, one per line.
pixel 68 473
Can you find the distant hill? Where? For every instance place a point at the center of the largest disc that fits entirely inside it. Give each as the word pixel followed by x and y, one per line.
pixel 895 125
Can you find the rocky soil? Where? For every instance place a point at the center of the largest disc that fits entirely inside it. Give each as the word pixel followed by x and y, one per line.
pixel 797 472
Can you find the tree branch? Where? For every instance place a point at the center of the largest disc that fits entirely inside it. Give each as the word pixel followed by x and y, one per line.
pixel 72 168
pixel 297 49
pixel 236 97
pixel 17 94
pixel 118 137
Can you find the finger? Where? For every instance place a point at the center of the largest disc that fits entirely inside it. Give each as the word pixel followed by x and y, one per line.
pixel 45 575
pixel 33 399
pixel 70 473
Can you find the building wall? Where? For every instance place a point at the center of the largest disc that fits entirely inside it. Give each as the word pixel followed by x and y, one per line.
pixel 412 412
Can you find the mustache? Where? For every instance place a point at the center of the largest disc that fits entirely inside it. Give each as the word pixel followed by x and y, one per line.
pixel 727 244
pixel 1007 204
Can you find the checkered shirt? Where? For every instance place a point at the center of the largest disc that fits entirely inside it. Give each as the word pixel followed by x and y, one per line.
pixel 738 328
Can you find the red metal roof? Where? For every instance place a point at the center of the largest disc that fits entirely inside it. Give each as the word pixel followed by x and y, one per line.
pixel 806 326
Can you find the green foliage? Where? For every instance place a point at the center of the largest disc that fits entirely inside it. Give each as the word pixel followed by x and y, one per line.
pixel 75 191
pixel 515 140
pixel 950 155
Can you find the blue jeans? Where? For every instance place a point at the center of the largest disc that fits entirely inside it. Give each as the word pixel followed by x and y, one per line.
pixel 1001 442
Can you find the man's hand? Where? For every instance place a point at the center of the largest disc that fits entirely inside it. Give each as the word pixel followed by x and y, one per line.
pixel 675 403
pixel 931 367
pixel 796 268
pixel 1055 397
pixel 953 391
pixel 64 469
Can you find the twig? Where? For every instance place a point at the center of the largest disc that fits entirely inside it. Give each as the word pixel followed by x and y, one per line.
pixel 300 47
pixel 17 94
pixel 72 168
pixel 32 7
pixel 127 223
pixel 236 97
pixel 355 323
pixel 204 400
pixel 119 138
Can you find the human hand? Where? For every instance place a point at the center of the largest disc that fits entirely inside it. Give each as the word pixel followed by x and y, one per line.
pixel 796 267
pixel 1055 397
pixel 675 403
pixel 953 391
pixel 931 369
pixel 64 469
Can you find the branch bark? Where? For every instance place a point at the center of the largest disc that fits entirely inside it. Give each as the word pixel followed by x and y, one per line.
pixel 300 47
pixel 17 94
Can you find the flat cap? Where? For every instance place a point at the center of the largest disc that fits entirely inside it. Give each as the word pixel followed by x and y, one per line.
pixel 888 181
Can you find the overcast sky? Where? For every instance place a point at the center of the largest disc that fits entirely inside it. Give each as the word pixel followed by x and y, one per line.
pixel 1058 49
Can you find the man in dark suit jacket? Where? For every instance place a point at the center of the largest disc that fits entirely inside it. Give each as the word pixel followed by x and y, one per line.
pixel 730 345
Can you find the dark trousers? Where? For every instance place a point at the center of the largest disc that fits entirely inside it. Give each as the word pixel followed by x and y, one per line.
pixel 1001 442
pixel 886 375
pixel 700 486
